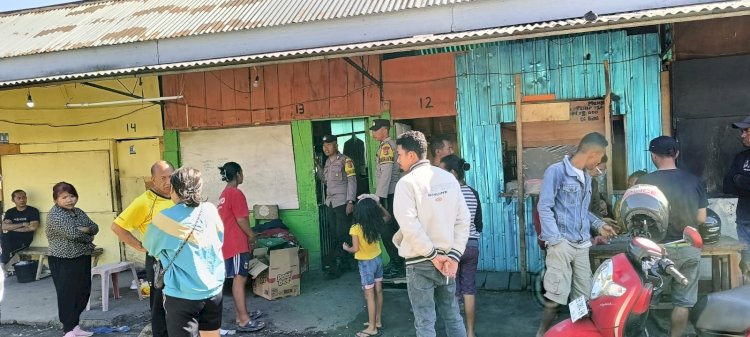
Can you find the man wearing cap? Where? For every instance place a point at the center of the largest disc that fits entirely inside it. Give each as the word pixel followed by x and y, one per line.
pixel 737 182
pixel 340 179
pixel 387 175
pixel 687 207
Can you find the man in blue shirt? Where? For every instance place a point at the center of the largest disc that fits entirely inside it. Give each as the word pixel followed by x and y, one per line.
pixel 566 224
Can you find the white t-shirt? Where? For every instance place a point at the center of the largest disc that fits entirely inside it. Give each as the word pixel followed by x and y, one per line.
pixel 579 173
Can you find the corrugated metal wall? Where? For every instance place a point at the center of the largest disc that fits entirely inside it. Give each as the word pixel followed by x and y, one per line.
pixel 571 68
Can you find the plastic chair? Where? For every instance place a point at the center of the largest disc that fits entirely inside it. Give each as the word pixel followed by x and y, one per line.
pixel 108 273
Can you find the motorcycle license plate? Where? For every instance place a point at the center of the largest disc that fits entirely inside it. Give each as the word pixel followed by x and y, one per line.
pixel 578 309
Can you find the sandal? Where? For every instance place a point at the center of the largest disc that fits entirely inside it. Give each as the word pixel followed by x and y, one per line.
pixel 368 324
pixel 251 326
pixel 364 333
pixel 253 316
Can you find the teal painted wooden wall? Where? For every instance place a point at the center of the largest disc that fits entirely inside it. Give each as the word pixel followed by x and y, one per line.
pixel 571 68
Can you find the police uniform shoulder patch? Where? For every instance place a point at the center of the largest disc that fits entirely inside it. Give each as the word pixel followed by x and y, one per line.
pixel 349 167
pixel 385 155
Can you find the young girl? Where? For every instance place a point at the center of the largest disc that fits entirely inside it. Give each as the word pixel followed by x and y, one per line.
pixel 368 217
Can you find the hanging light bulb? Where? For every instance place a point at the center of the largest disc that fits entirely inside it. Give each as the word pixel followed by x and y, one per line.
pixel 256 82
pixel 29 101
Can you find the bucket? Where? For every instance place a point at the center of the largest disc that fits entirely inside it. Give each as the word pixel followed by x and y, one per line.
pixel 26 271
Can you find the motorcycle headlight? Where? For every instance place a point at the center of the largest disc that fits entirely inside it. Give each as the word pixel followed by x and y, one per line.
pixel 603 285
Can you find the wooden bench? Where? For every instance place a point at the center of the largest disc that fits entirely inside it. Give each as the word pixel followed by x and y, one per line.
pixel 40 253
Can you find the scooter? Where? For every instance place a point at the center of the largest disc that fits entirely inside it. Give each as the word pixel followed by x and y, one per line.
pixel 621 295
pixel 723 314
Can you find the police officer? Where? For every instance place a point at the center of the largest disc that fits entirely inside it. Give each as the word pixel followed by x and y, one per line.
pixel 387 176
pixel 340 179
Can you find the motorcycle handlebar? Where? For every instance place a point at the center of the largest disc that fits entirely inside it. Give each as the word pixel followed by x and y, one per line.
pixel 671 270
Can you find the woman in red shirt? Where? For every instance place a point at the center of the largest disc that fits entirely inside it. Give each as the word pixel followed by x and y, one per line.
pixel 236 249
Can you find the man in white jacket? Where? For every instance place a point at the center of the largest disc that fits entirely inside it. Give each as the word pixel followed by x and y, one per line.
pixel 434 229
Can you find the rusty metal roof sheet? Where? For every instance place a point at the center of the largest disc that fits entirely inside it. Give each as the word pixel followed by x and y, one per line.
pixel 101 23
pixel 613 21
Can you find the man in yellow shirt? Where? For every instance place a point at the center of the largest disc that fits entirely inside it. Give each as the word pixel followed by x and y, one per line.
pixel 137 216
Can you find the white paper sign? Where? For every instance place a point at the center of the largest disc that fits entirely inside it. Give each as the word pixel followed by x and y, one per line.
pixel 578 309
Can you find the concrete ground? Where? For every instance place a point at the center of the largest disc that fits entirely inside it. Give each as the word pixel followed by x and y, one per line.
pixel 324 308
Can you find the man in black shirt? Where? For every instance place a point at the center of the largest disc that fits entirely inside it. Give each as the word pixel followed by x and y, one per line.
pixel 687 207
pixel 19 225
pixel 737 182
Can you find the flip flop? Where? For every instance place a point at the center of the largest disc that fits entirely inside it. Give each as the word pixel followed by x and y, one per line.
pixel 363 333
pixel 251 326
pixel 368 324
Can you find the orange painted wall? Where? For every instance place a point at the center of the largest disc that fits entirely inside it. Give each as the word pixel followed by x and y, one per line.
pixel 305 90
pixel 420 86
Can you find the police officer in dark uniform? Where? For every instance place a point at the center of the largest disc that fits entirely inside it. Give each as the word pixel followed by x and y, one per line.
pixel 387 175
pixel 340 179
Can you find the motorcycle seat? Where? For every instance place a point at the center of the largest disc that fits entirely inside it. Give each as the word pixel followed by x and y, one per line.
pixel 725 311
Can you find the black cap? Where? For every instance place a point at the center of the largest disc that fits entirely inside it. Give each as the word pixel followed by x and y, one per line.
pixel 744 124
pixel 329 139
pixel 380 123
pixel 664 145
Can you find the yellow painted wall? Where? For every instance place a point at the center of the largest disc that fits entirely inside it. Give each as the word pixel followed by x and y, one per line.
pixel 88 171
pixel 62 138
pixel 135 175
pixel 50 121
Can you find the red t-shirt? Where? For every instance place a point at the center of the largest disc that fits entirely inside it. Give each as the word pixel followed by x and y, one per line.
pixel 233 206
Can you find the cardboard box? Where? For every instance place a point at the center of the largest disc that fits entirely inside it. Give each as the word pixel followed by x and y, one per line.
pixel 282 279
pixel 304 260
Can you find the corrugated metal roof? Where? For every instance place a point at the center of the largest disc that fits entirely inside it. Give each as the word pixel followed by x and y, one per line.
pixel 101 23
pixel 741 7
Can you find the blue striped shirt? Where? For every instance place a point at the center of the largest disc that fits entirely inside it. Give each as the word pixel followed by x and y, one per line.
pixel 198 271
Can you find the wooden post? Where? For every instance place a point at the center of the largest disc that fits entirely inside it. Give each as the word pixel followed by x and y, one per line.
pixel 608 127
pixel 666 105
pixel 519 179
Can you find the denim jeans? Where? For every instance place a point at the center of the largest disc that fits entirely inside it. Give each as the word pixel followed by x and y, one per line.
pixel 743 233
pixel 427 287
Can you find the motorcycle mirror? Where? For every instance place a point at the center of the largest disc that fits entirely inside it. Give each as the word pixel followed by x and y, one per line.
pixel 692 236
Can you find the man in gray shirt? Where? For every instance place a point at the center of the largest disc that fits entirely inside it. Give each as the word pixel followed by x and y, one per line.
pixel 387 175
pixel 340 180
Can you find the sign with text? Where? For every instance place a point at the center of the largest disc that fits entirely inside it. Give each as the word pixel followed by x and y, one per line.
pixel 420 86
pixel 584 117
pixel 587 111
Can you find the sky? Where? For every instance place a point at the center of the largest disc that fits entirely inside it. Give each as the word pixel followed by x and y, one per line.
pixel 12 5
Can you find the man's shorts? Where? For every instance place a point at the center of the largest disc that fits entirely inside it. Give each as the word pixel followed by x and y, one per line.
pixel 371 271
pixel 568 274
pixel 687 261
pixel 467 269
pixel 237 265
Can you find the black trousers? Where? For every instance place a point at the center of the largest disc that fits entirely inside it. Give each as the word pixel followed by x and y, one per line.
pixel 11 242
pixel 72 279
pixel 389 230
pixel 156 301
pixel 340 223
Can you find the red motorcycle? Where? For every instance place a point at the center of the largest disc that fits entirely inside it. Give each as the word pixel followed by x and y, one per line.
pixel 621 292
pixel 623 285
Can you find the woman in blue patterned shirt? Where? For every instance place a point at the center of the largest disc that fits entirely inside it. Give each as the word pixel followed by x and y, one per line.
pixel 189 235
